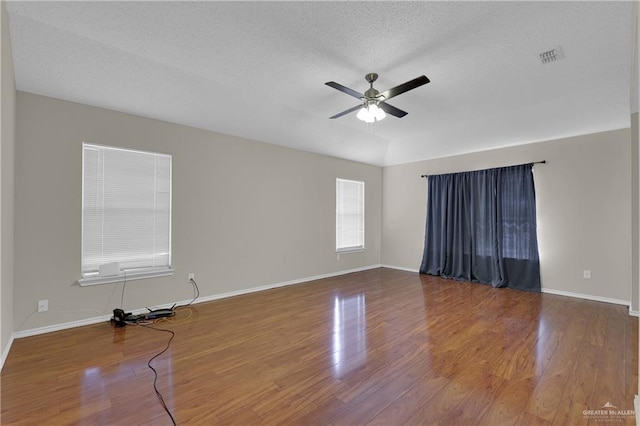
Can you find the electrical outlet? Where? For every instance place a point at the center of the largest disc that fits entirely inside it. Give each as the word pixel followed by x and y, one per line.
pixel 192 276
pixel 43 305
pixel 586 274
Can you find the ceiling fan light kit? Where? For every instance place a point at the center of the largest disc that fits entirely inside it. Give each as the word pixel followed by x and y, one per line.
pixel 374 106
pixel 370 112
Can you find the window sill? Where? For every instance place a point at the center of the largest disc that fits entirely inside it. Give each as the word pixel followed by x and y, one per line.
pixel 351 250
pixel 124 276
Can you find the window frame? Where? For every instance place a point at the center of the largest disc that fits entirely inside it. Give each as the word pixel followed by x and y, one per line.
pixel 94 278
pixel 350 249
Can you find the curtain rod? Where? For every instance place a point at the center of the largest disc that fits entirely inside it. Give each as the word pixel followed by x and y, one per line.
pixel 535 162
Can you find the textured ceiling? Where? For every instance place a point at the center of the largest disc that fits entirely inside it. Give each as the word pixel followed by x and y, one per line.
pixel 257 69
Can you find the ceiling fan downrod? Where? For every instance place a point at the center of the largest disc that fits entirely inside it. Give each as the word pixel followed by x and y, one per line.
pixel 371 93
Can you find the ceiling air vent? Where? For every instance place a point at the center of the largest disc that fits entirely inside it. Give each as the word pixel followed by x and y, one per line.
pixel 552 55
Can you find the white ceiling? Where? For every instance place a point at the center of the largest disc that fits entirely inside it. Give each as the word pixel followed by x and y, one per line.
pixel 257 69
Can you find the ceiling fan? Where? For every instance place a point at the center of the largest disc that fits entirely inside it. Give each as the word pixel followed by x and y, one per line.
pixel 374 103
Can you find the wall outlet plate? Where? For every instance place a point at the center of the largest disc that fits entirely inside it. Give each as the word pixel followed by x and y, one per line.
pixel 192 276
pixel 43 305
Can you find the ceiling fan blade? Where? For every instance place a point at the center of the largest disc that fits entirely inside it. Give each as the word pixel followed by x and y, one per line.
pixel 340 114
pixel 391 110
pixel 344 89
pixel 404 87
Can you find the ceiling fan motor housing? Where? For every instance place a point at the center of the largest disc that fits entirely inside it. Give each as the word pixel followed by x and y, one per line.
pixel 371 94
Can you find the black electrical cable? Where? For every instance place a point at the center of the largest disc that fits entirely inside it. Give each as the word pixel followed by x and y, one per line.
pixel 155 378
pixel 195 286
pixel 197 291
pixel 124 283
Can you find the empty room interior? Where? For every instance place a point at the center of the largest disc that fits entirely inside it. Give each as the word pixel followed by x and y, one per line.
pixel 318 213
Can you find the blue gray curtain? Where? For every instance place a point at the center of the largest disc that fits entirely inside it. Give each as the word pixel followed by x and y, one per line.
pixel 481 227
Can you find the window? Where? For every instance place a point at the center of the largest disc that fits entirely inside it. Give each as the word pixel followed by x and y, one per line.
pixel 349 215
pixel 126 213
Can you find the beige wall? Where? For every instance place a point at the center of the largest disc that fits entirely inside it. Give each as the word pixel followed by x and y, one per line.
pixel 635 214
pixel 635 161
pixel 7 143
pixel 245 214
pixel 583 205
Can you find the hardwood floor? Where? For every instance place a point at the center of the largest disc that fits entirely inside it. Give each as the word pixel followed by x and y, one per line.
pixel 380 347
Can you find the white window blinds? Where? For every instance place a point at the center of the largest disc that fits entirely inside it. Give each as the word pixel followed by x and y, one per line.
pixel 126 209
pixel 349 215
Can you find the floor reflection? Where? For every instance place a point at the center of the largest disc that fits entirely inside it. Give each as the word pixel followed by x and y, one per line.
pixel 94 388
pixel 101 388
pixel 542 344
pixel 349 333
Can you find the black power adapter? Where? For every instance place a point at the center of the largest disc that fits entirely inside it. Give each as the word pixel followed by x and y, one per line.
pixel 119 318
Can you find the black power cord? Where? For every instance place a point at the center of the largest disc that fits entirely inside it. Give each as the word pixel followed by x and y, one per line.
pixel 155 373
pixel 197 290
pixel 124 284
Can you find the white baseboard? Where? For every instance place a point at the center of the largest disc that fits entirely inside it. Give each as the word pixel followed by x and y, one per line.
pixel 284 284
pixel 5 350
pixel 61 326
pixel 400 268
pixel 587 297
pixel 556 292
pixel 105 318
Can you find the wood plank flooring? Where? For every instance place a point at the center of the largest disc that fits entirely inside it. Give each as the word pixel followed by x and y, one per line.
pixel 379 347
